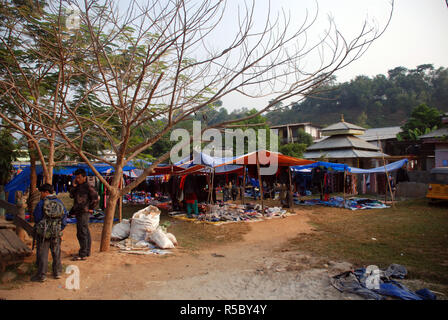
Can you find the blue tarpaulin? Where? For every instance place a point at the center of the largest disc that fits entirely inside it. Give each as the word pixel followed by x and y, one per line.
pixel 341 167
pixel 329 165
pixel 201 158
pixel 22 181
pixel 356 282
pixel 390 167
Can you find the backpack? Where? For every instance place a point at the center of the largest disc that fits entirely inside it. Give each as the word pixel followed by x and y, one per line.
pixel 50 225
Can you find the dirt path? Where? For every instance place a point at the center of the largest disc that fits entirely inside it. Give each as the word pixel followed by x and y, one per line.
pixel 259 267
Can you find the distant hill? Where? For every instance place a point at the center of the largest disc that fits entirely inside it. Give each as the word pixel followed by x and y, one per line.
pixel 380 101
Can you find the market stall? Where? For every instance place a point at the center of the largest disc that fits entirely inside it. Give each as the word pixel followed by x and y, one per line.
pixel 355 181
pixel 232 175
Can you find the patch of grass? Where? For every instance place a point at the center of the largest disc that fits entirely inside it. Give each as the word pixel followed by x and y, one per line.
pixel 413 234
pixel 194 236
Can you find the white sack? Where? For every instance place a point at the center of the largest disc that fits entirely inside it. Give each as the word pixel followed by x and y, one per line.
pixel 121 230
pixel 172 238
pixel 160 239
pixel 145 220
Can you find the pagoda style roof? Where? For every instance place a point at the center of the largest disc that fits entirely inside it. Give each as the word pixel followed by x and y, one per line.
pixel 343 127
pixel 342 142
pixel 343 154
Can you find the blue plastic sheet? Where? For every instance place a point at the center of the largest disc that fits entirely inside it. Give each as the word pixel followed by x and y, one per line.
pixel 351 203
pixel 389 167
pixel 343 167
pixel 355 282
pixel 329 165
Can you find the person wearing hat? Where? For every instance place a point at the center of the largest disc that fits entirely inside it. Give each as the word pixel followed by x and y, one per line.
pixel 50 217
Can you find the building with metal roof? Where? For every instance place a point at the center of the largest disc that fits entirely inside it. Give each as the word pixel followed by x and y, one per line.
pixel 438 141
pixel 344 145
pixel 288 133
pixel 386 133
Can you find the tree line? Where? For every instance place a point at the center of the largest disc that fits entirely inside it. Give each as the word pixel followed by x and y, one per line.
pixel 379 101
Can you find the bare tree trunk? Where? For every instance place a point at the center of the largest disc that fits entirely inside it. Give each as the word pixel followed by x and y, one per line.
pixel 21 213
pixel 49 178
pixel 111 204
pixel 34 194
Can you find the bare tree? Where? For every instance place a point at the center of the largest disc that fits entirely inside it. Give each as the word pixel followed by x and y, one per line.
pixel 162 61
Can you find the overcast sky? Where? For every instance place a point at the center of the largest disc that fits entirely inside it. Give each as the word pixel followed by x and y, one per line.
pixel 417 34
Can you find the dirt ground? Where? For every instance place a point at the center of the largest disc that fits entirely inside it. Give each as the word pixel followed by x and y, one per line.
pixel 260 266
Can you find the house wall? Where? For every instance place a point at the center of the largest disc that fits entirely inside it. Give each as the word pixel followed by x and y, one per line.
pixel 441 154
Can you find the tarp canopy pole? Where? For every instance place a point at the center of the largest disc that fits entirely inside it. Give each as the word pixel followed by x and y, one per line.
pixel 343 185
pixel 244 185
pixel 290 192
pixel 260 183
pixel 120 203
pixel 387 179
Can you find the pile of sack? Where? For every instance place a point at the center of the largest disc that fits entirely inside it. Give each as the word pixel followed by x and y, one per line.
pixel 144 226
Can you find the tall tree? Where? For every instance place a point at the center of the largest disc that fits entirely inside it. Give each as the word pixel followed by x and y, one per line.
pixel 423 120
pixel 160 61
pixel 7 155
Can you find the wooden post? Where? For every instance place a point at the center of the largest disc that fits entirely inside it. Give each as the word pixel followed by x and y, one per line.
pixel 209 181
pixel 120 204
pixel 244 184
pixel 20 213
pixel 343 185
pixel 290 193
pixel 210 185
pixel 387 179
pixel 2 197
pixel 261 184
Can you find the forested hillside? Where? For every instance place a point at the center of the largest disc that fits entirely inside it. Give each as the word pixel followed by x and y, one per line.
pixel 371 102
pixel 380 101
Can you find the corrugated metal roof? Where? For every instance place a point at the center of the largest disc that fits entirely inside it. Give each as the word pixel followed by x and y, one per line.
pixel 342 141
pixel 374 134
pixel 342 126
pixel 295 124
pixel 348 153
pixel 435 134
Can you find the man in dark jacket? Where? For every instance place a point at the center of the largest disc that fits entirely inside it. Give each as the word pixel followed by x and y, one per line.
pixel 50 238
pixel 85 200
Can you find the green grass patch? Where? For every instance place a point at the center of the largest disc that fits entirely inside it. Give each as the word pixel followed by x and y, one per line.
pixel 413 234
pixel 194 236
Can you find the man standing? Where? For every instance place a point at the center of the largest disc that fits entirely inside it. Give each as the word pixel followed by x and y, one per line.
pixel 50 217
pixel 85 200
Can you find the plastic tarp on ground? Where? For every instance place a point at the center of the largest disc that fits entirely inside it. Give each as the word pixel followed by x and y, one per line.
pixel 356 282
